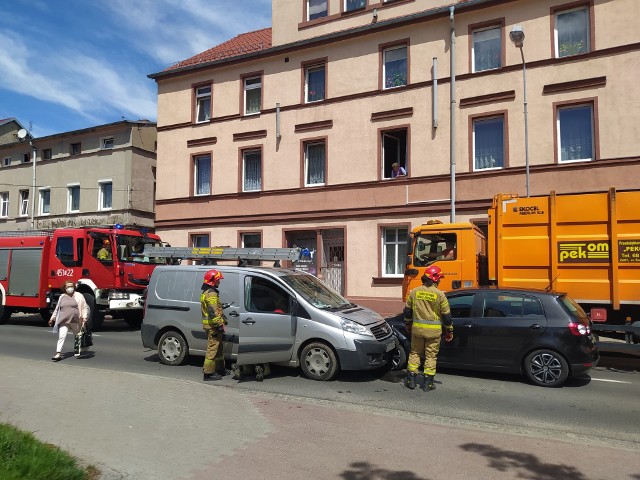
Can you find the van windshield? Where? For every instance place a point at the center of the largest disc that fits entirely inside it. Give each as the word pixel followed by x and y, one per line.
pixel 315 292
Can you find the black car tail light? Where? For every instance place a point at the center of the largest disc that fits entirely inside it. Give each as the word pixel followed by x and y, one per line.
pixel 579 329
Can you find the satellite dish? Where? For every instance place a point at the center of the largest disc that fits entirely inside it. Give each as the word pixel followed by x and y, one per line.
pixel 22 133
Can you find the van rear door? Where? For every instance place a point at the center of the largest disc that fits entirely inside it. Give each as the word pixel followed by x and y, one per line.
pixel 267 326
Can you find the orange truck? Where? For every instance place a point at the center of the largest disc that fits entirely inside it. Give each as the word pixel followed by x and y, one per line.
pixel 587 245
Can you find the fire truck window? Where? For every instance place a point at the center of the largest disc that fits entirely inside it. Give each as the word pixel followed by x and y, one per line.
pixel 64 251
pixel 4 264
pixel 80 250
pixel 98 244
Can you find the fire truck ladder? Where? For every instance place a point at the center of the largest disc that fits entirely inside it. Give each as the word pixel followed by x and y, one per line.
pixel 212 254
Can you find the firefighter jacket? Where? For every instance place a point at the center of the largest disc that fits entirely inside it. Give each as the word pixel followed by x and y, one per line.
pixel 429 305
pixel 211 308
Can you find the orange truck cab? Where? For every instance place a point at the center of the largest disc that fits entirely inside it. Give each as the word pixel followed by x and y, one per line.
pixel 587 245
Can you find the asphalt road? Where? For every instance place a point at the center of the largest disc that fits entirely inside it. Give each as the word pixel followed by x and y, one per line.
pixel 602 409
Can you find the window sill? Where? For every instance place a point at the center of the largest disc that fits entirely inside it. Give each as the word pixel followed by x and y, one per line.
pixel 387 280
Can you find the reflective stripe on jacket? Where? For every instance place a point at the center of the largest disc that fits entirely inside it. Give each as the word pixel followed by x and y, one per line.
pixel 427 304
pixel 211 308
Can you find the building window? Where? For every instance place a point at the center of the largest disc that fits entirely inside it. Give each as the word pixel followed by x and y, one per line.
pixel 45 201
pixel 575 133
pixel 4 204
pixel 394 250
pixel 105 189
pixel 487 49
pixel 316 9
pixel 394 148
pixel 47 154
pixel 571 32
pixel 203 104
pixel 199 240
pixel 252 95
pixel 7 161
pixel 73 198
pixel 488 143
pixel 24 203
pixel 202 175
pixel 314 163
pixel 251 240
pixel 394 69
pixel 26 158
pixel 107 143
pixel 314 83
pixel 251 170
pixel 351 5
pixel 74 149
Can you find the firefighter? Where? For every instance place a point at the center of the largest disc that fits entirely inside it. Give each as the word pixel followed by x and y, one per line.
pixel 213 324
pixel 104 253
pixel 427 310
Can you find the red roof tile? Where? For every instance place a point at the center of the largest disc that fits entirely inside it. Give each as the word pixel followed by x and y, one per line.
pixel 240 45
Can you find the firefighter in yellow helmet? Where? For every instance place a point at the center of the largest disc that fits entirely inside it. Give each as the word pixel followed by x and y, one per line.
pixel 425 313
pixel 104 253
pixel 213 324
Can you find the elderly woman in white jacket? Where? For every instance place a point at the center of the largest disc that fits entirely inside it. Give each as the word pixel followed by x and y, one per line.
pixel 71 313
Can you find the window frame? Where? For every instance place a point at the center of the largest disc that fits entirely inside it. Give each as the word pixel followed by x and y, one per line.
pixel 382 49
pixel 505 139
pixel 101 197
pixel 23 208
pixel 242 152
pixel 70 197
pixel 194 235
pixel 307 10
pixel 382 229
pixel 41 204
pixel 195 110
pixel 595 132
pixel 47 154
pixel 72 150
pixel 243 93
pixel 306 66
pixel 344 10
pixel 26 158
pixel 6 162
pixel 305 143
pixel 386 131
pixel 4 204
pixel 488 25
pixel 241 242
pixel 194 174
pixel 104 143
pixel 567 8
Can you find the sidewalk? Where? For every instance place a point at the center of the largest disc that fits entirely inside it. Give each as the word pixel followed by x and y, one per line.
pixel 139 427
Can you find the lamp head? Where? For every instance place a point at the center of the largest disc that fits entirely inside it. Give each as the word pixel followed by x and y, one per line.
pixel 517 35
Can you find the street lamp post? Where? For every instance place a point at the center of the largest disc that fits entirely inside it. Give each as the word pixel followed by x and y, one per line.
pixel 517 37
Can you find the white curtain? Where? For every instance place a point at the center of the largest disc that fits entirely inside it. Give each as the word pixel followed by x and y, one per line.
pixel 106 195
pixel 252 171
pixel 395 67
pixel 203 175
pixel 315 163
pixel 488 143
pixel 573 32
pixel 317 9
pixel 486 49
pixel 576 139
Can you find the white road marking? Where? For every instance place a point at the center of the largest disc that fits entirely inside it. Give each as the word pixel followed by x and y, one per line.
pixel 607 380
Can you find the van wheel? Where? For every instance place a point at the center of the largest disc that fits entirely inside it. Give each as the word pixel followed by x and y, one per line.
pixel 546 368
pixel 398 359
pixel 172 348
pixel 319 362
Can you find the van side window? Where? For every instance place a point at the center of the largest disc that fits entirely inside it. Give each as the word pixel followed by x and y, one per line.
pixel 264 296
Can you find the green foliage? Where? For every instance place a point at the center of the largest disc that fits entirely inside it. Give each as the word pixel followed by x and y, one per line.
pixel 571 48
pixel 22 457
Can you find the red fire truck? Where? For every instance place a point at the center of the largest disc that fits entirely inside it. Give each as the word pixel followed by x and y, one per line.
pixel 106 263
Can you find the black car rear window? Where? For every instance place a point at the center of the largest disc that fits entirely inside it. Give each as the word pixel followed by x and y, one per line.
pixel 573 309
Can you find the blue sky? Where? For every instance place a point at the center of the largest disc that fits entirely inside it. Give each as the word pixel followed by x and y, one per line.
pixel 72 64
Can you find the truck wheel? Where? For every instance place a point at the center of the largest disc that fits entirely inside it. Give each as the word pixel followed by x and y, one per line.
pixel 172 348
pixel 133 319
pixel 95 317
pixel 546 368
pixel 45 314
pixel 319 362
pixel 5 313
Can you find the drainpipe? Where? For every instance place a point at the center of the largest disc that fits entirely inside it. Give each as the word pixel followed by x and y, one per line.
pixel 452 110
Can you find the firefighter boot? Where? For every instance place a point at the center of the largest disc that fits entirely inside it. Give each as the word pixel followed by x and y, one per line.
pixel 410 382
pixel 207 377
pixel 428 383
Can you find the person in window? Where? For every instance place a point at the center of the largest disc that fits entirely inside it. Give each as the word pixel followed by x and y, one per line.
pixel 104 254
pixel 448 253
pixel 397 171
pixel 136 253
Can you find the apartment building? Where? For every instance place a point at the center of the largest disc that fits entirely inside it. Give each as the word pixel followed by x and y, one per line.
pixel 94 176
pixel 287 136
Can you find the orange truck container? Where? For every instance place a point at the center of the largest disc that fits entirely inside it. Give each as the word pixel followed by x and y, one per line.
pixel 587 245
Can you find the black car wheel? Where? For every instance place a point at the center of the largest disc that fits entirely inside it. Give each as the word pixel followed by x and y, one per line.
pixel 398 359
pixel 546 368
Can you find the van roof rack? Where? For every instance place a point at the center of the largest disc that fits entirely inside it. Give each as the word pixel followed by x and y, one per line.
pixel 242 255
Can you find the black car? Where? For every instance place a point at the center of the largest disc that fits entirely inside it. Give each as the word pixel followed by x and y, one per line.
pixel 543 335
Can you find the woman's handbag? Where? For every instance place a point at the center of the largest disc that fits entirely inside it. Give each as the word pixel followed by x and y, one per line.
pixel 84 338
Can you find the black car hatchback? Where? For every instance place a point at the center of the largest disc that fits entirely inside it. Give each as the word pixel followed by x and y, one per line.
pixel 543 335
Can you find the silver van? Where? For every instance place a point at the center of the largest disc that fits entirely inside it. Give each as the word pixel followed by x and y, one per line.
pixel 274 315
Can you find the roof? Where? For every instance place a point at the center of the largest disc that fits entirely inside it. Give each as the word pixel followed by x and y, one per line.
pixel 239 45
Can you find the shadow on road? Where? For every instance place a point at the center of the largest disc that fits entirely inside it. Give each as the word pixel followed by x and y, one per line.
pixel 366 471
pixel 523 465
